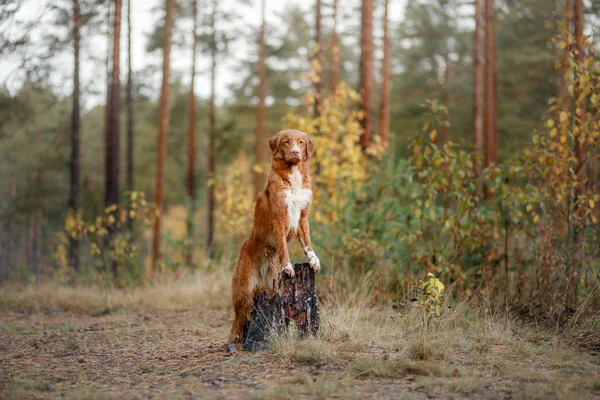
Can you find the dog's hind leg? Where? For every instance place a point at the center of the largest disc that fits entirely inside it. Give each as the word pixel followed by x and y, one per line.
pixel 243 287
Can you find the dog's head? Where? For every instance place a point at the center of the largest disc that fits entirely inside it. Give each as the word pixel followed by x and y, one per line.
pixel 291 145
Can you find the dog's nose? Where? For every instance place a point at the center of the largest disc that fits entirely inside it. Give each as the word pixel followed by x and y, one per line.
pixel 296 152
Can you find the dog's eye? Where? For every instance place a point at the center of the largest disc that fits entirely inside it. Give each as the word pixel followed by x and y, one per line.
pixel 301 142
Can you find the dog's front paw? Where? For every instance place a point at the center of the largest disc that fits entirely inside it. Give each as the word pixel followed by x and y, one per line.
pixel 289 270
pixel 313 261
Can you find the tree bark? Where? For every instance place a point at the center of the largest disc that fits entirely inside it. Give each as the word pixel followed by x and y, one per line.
pixel 578 48
pixel 318 62
pixel 261 123
pixel 478 70
pixel 107 156
pixel 335 50
pixel 491 100
pixel 295 301
pixel 75 133
pixel 366 72
pixel 163 127
pixel 384 117
pixel 578 150
pixel 191 169
pixel 113 148
pixel 211 139
pixel 564 77
pixel 130 116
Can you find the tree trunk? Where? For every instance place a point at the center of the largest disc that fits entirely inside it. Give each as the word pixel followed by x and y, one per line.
pixel 191 170
pixel 294 302
pixel 261 125
pixel 318 62
pixel 211 140
pixel 578 48
pixel 107 156
pixel 130 120
pixel 163 126
pixel 113 152
pixel 478 70
pixel 335 50
pixel 366 72
pixel 578 150
pixel 384 117
pixel 491 101
pixel 75 133
pixel 564 77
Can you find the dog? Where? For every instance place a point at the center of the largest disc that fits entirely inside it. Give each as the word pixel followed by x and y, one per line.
pixel 280 213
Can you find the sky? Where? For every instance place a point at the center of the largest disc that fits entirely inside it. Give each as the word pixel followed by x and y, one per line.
pixel 145 14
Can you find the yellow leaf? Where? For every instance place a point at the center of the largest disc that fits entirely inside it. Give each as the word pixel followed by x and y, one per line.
pixel 433 136
pixel 563 139
pixel 529 207
pixel 550 123
pixel 536 219
pixel 553 132
pixel 563 116
pixel 592 203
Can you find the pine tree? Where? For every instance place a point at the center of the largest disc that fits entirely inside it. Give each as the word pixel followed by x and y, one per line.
pixel 384 117
pixel 318 61
pixel 478 70
pixel 113 140
pixel 212 124
pixel 130 116
pixel 366 72
pixel 261 121
pixel 578 49
pixel 163 125
pixel 191 168
pixel 335 49
pixel 491 100
pixel 75 134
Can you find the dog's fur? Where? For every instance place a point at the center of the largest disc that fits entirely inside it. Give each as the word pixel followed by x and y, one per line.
pixel 280 213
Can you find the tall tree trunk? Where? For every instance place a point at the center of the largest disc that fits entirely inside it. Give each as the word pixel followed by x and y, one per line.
pixel 130 120
pixel 335 50
pixel 318 61
pixel 491 100
pixel 366 72
pixel 113 153
pixel 478 70
pixel 163 126
pixel 211 140
pixel 75 131
pixel 191 170
pixel 261 123
pixel 384 116
pixel 564 76
pixel 578 48
pixel 578 150
pixel 108 101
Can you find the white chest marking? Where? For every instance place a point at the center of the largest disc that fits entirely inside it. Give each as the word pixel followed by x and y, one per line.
pixel 297 198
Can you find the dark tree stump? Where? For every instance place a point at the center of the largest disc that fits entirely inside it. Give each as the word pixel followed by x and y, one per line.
pixel 294 302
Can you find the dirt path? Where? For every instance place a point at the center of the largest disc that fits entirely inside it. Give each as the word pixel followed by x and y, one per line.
pixel 181 354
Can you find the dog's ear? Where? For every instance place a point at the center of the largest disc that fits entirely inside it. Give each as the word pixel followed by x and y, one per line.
pixel 274 143
pixel 310 147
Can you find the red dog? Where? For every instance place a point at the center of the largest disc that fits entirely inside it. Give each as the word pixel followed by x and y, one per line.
pixel 280 213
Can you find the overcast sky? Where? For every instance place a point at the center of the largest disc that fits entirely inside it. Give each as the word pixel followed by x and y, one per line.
pixel 145 14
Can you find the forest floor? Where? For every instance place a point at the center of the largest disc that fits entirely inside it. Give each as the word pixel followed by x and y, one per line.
pixel 169 342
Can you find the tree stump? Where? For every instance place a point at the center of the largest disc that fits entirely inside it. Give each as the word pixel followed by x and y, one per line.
pixel 295 301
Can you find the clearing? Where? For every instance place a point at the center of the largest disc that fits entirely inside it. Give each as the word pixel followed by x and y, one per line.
pixel 169 342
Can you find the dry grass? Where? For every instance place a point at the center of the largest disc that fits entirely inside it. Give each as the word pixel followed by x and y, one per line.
pixel 157 340
pixel 207 289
